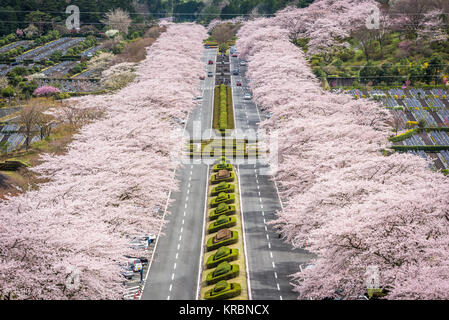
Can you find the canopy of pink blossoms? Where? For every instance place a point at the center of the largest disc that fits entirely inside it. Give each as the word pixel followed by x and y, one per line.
pixel 46 91
pixel 116 173
pixel 349 200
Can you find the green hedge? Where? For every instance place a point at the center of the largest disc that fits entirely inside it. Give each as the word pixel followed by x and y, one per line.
pixel 210 246
pixel 222 254
pixel 216 107
pixel 418 148
pixel 230 108
pixel 223 197
pixel 221 166
pixel 222 187
pixel 218 224
pixel 224 271
pixel 223 291
pixel 222 209
pixel 403 137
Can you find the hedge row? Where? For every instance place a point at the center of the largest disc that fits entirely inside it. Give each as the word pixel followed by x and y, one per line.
pixel 418 148
pixel 403 136
pixel 223 109
pixel 221 217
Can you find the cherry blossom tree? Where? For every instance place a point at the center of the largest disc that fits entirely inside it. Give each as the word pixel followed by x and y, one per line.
pixel 66 239
pixel 348 198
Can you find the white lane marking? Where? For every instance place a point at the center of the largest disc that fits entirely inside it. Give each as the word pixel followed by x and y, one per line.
pixel 261 206
pixel 265 229
pixel 274 266
pixel 280 297
pixel 184 213
pixel 200 268
pixel 258 187
pixel 171 286
pixel 176 256
pixel 187 198
pixel 172 276
pixel 269 245
pixel 182 222
pixel 168 298
pixel 180 237
pixel 185 206
pixel 174 266
pixel 279 289
pixel 275 275
pixel 179 245
pixel 268 238
pixel 183 228
pixel 188 186
pixel 271 255
pixel 263 213
pixel 264 220
pixel 188 191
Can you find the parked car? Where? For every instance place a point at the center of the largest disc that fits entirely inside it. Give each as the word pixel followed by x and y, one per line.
pixel 210 74
pixel 238 84
pixel 235 72
pixel 127 271
pixel 198 98
pixel 211 62
pixel 247 96
pixel 136 264
pixel 143 260
pixel 202 77
pixel 234 54
pixel 243 63
pixel 138 244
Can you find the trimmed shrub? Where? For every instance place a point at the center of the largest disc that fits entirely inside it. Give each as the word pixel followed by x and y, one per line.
pixel 223 165
pixel 222 222
pixel 222 187
pixel 222 254
pixel 223 197
pixel 222 209
pixel 224 271
pixel 223 291
pixel 214 246
pixel 403 136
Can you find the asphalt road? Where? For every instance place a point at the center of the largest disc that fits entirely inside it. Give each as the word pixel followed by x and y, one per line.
pixel 174 270
pixel 270 260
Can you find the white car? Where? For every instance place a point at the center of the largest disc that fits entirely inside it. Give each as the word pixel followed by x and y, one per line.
pixel 138 244
pixel 243 63
pixel 136 264
pixel 247 96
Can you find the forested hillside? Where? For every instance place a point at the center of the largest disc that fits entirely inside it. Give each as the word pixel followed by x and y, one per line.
pixel 16 14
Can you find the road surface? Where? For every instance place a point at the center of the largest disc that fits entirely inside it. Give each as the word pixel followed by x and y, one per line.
pixel 174 272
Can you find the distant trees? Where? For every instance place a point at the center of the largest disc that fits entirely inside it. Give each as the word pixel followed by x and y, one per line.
pixel 117 19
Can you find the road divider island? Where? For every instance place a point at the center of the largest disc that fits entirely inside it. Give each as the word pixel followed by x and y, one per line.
pixel 223 266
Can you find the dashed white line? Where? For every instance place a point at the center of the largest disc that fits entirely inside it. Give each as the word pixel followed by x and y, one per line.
pixel 277 284
pixel 168 298
pixel 268 238
pixel 171 286
pixel 172 276
pixel 271 255
pixel 266 229
pixel 179 245
pixel 274 266
pixel 275 275
pixel 182 222
pixel 182 228
pixel 176 256
pixel 269 245
pixel 180 237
